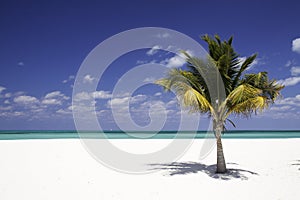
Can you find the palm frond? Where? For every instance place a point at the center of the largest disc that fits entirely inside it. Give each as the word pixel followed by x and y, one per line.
pixel 194 100
pixel 245 65
pixel 249 106
pixel 245 93
pixel 270 88
pixel 231 122
pixel 165 83
pixel 186 87
pixel 226 59
pixel 242 93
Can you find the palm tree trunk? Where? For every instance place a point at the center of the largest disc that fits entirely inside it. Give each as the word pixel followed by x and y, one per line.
pixel 221 164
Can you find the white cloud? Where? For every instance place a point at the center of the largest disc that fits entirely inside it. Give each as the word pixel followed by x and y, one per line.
pixel 7 95
pixel 70 108
pixel 294 80
pixel 140 106
pixel 123 101
pixel 19 93
pixel 25 99
pixel 102 94
pixel 21 64
pixel 293 101
pixel 242 59
pixel 85 103
pixel 51 102
pixel 88 79
pixel 149 80
pixel 296 45
pixel 280 108
pixel 121 105
pixel 153 50
pixel 32 107
pixel 256 62
pixel 290 63
pixel 138 98
pixel 142 110
pixel 5 108
pixel 66 111
pixel 17 113
pixel 295 71
pixel 2 89
pixel 140 62
pixel 52 94
pixel 71 77
pixel 172 103
pixel 282 114
pixel 85 108
pixel 290 81
pixel 89 96
pixel 176 61
pixel 160 108
pixel 13 114
pixel 157 94
pixel 163 35
pixel 82 96
pixel 119 101
pixel 156 107
pixel 56 94
pixel 54 98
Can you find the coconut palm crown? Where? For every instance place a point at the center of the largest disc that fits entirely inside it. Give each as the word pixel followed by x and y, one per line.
pixel 244 94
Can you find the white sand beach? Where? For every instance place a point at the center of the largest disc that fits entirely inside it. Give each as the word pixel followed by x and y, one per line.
pixel 63 169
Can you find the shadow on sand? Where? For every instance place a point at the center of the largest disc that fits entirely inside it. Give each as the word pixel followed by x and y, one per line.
pixel 297 163
pixel 184 168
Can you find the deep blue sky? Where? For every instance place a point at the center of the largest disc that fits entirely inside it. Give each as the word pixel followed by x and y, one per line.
pixel 43 43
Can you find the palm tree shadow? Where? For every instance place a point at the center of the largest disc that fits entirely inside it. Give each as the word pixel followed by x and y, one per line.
pixel 297 163
pixel 184 168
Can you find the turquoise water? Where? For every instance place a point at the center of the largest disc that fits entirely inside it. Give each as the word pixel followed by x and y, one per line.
pixel 19 135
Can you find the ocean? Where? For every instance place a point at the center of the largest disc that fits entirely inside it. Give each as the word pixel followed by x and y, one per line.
pixel 63 134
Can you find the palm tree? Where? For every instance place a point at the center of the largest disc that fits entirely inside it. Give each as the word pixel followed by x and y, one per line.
pixel 243 94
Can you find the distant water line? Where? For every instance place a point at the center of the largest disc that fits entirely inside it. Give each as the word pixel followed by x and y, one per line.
pixel 66 134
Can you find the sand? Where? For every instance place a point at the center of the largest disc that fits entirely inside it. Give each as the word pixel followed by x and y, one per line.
pixel 63 169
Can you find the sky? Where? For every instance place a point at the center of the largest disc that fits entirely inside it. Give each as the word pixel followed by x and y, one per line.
pixel 44 43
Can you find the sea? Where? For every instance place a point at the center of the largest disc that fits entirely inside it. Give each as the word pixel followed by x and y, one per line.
pixel 72 134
